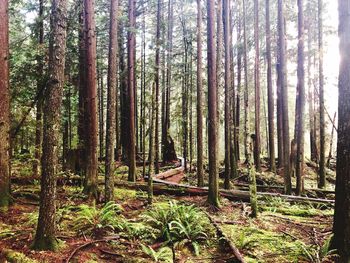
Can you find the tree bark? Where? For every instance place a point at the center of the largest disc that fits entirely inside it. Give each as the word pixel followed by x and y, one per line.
pixel 322 171
pixel 300 102
pixel 131 88
pixel 82 90
pixel 213 196
pixel 111 102
pixel 284 88
pixel 200 178
pixel 156 80
pixel 90 185
pixel 226 22
pixel 257 146
pixel 270 93
pixel 246 100
pixel 39 110
pixel 45 233
pixel 341 225
pixel 4 108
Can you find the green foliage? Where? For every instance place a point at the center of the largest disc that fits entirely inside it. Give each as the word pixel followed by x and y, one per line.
pixel 164 254
pixel 94 221
pixel 180 224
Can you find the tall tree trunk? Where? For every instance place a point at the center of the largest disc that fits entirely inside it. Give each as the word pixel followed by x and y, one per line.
pixel 190 97
pixel 4 108
pixel 226 22
pixel 239 84
pixel 310 93
pixel 257 146
pixel 341 225
pixel 131 88
pixel 82 90
pixel 45 233
pixel 219 39
pixel 200 179
pixel 284 88
pixel 246 92
pixel 233 131
pixel 300 101
pixel 90 186
pixel 111 102
pixel 169 153
pixel 213 196
pixel 322 171
pixel 270 93
pixel 156 80
pixel 39 110
pixel 151 144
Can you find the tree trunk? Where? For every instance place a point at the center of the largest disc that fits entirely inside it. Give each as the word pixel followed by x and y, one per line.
pixel 200 179
pixel 111 102
pixel 270 93
pixel 39 110
pixel 4 108
pixel 331 142
pixel 45 233
pixel 239 84
pixel 257 146
pixel 226 22
pixel 322 171
pixel 300 102
pixel 284 88
pixel 151 144
pixel 82 90
pixel 213 196
pixel 246 91
pixel 131 88
pixel 156 80
pixel 341 225
pixel 90 185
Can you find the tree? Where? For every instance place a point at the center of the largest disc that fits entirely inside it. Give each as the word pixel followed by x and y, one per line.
pixel 213 196
pixel 39 110
pixel 226 20
pixel 341 225
pixel 270 93
pixel 322 171
pixel 246 101
pixel 45 233
pixel 90 114
pixel 131 87
pixel 282 72
pixel 300 107
pixel 200 178
pixel 169 153
pixel 4 108
pixel 257 146
pixel 111 100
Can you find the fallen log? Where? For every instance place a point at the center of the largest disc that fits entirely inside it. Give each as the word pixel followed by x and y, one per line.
pixel 244 195
pixel 238 256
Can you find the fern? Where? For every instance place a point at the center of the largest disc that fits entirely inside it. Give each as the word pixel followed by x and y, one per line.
pixel 92 221
pixel 164 254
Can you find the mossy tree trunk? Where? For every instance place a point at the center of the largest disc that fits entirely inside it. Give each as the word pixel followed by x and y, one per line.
pixel 45 233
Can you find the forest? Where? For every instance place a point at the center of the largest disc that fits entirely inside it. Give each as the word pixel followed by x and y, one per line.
pixel 174 131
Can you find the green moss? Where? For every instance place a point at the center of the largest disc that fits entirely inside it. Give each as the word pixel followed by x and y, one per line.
pixel 47 243
pixel 124 194
pixel 16 257
pixel 258 244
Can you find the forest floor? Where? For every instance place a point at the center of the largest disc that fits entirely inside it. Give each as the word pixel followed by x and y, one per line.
pixel 283 231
